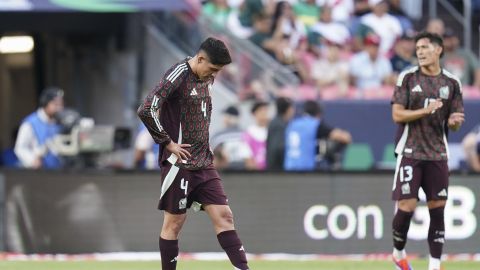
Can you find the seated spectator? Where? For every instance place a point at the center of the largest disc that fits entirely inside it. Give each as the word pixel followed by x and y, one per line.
pixel 396 10
pixel 307 11
pixel 37 130
pixel 404 53
pixel 341 9
pixel 287 29
pixel 331 71
pixel 460 62
pixel 329 29
pixel 276 133
pixel 262 36
pixel 385 25
pixel 256 137
pixel 436 26
pixel 217 11
pixel 471 145
pixel 369 69
pixel 229 148
pixel 303 135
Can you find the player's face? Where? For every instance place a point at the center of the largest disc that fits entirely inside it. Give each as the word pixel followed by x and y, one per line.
pixel 54 106
pixel 428 53
pixel 206 69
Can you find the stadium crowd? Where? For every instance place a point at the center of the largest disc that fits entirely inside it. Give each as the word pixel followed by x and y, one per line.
pixel 348 49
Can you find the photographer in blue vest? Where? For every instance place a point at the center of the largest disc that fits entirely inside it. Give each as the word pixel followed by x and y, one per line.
pixel 37 129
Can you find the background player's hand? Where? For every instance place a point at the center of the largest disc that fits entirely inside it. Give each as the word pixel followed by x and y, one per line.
pixel 179 150
pixel 455 120
pixel 434 105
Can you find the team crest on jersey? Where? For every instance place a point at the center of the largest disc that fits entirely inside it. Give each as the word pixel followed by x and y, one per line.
pixel 444 91
pixel 182 204
pixel 406 188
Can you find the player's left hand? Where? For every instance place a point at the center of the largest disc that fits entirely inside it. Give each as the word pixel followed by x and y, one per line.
pixel 455 120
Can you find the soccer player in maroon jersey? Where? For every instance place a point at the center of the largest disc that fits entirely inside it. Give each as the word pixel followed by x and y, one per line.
pixel 427 102
pixel 177 114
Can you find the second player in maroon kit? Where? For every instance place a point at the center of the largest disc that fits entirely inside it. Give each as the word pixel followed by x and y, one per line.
pixel 177 114
pixel 427 103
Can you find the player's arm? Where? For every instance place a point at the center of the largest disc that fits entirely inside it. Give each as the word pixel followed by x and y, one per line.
pixel 457 117
pixel 402 115
pixel 151 109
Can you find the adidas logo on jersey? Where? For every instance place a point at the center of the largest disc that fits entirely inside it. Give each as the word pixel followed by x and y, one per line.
pixel 443 193
pixel 417 88
pixel 194 92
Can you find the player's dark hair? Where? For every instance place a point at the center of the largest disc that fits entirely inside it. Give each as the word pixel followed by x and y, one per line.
pixel 312 108
pixel 433 37
pixel 216 51
pixel 49 94
pixel 257 105
pixel 283 104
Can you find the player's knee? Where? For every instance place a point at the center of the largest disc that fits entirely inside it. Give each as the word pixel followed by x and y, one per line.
pixel 227 217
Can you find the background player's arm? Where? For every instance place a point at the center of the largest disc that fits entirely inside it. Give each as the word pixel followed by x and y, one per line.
pixel 402 115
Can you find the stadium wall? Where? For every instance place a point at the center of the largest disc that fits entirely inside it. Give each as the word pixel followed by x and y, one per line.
pixel 341 213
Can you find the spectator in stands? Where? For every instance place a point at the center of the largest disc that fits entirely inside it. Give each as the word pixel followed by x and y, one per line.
pixel 330 72
pixel 303 135
pixel 329 29
pixel 436 26
pixel 286 28
pixel 396 10
pixel 146 150
pixel 229 148
pixel 385 25
pixel 240 22
pixel 369 69
pixel 37 130
pixel 262 36
pixel 404 53
pixel 307 11
pixel 471 146
pixel 217 11
pixel 276 133
pixel 462 63
pixel 342 10
pixel 256 137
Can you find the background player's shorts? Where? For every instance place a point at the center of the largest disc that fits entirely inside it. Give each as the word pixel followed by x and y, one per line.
pixel 203 186
pixel 411 174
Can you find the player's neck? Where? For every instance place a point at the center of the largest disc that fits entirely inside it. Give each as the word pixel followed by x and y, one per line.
pixel 431 70
pixel 192 62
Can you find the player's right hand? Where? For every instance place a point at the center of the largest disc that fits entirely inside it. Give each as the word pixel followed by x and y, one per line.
pixel 434 105
pixel 179 150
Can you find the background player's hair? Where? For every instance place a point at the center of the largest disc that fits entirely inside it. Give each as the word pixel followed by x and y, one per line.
pixel 312 108
pixel 216 50
pixel 49 94
pixel 257 105
pixel 433 37
pixel 282 104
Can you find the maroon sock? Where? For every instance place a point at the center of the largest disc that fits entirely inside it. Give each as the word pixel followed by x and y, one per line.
pixel 232 245
pixel 400 225
pixel 168 253
pixel 436 232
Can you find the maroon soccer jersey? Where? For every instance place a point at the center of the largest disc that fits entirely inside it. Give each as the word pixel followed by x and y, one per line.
pixel 425 138
pixel 179 109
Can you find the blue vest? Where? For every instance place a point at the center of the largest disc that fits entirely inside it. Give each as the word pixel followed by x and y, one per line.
pixel 44 131
pixel 301 144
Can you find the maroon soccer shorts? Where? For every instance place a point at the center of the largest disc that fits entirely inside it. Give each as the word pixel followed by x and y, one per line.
pixel 411 174
pixel 203 186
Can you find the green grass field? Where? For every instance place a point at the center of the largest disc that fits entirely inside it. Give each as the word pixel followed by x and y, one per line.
pixel 223 265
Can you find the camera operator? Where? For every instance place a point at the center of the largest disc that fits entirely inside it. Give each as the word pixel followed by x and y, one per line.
pixel 36 129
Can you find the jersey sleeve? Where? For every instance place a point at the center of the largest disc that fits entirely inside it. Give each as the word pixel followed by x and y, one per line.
pixel 457 99
pixel 151 108
pixel 400 94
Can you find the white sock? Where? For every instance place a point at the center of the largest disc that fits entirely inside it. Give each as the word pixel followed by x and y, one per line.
pixel 433 263
pixel 399 254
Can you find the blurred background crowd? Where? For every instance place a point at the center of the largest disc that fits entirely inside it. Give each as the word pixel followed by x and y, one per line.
pixel 309 88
